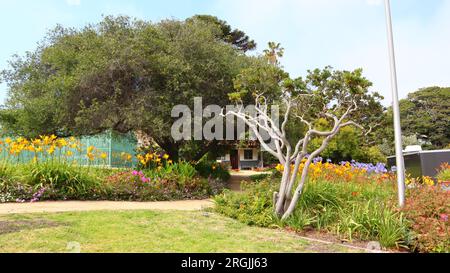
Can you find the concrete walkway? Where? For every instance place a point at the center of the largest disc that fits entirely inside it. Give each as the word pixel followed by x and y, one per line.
pixel 69 206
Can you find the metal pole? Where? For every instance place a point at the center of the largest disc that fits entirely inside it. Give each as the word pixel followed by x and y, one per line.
pixel 396 108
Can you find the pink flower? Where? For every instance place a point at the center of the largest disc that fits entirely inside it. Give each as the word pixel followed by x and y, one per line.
pixel 135 173
pixel 444 217
pixel 144 179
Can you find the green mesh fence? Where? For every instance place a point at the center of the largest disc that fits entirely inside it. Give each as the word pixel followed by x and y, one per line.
pixel 119 149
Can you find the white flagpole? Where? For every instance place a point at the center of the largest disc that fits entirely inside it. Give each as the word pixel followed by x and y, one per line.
pixel 396 108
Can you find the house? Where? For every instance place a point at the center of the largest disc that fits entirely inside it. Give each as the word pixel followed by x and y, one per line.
pixel 242 156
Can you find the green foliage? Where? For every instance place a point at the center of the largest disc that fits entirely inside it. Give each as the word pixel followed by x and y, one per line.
pixel 444 173
pixel 349 144
pixel 428 209
pixel 123 74
pixel 259 177
pixel 235 37
pixel 351 210
pixel 207 169
pixel 252 207
pixel 158 187
pixel 425 114
pixel 62 181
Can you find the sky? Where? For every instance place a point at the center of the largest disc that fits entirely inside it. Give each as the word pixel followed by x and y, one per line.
pixel 345 34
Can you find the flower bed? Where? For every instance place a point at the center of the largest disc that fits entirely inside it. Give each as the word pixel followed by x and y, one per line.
pixel 54 174
pixel 352 201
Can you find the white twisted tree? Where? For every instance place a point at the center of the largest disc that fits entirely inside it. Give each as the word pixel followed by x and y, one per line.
pixel 341 97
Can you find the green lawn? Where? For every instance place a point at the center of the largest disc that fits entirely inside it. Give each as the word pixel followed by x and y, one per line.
pixel 145 231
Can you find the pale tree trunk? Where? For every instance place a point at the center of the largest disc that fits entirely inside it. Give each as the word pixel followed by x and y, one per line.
pixel 285 200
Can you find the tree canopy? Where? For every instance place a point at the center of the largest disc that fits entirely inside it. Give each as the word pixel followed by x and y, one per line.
pixel 123 74
pixel 425 116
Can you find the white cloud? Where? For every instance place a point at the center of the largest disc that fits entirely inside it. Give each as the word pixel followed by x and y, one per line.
pixel 73 2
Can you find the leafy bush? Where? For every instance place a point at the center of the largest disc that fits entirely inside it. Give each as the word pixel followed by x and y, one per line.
pixel 252 207
pixel 428 210
pixel 212 169
pixel 137 186
pixel 444 173
pixel 259 177
pixel 62 181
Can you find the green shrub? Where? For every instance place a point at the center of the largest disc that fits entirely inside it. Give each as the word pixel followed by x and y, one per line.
pixel 63 180
pixel 259 177
pixel 211 169
pixel 444 173
pixel 138 186
pixel 252 207
pixel 428 210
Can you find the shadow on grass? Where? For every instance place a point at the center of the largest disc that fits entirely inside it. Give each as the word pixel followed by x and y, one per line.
pixel 19 225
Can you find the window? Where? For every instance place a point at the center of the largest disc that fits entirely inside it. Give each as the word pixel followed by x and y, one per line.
pixel 248 154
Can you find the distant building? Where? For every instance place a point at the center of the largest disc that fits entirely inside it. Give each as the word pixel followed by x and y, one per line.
pixel 423 163
pixel 242 156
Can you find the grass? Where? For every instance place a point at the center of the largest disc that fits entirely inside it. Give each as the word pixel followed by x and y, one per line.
pixel 146 231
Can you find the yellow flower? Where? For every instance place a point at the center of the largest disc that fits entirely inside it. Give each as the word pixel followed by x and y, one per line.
pixel 166 156
pixel 169 161
pixel 428 181
pixel 72 139
pixel 69 153
pixel 61 143
pixel 36 142
pixel 280 168
pixel 51 150
pixel 90 156
pixel 8 140
pixel 103 155
pixel 90 149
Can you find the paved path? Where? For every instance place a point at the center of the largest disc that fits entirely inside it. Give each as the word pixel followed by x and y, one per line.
pixel 68 206
pixel 237 178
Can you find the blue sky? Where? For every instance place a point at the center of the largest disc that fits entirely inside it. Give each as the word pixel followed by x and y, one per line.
pixel 346 34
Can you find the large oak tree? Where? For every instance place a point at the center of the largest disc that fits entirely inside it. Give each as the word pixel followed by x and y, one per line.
pixel 125 75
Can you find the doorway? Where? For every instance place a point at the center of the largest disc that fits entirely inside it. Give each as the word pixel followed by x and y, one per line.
pixel 234 159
